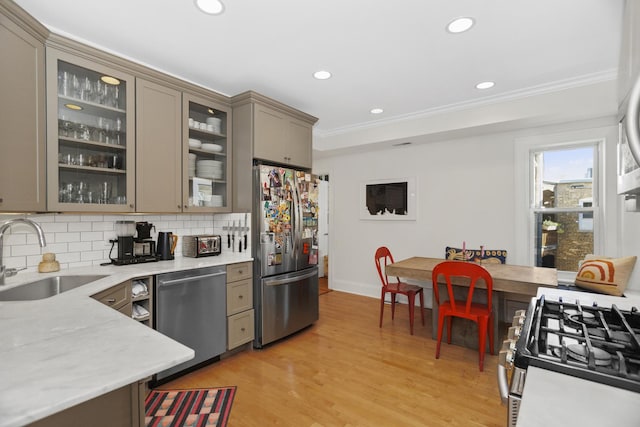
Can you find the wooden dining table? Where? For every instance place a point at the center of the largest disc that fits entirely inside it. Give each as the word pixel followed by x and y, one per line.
pixel 513 288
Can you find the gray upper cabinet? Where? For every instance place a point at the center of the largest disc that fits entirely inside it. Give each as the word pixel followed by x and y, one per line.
pixel 269 131
pixel 22 112
pixel 158 148
pixel 90 134
pixel 206 155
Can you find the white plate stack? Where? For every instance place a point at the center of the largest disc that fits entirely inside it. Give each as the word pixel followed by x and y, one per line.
pixel 192 165
pixel 215 201
pixel 214 124
pixel 215 148
pixel 211 169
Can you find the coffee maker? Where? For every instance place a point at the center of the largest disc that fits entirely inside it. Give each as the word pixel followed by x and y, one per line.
pixel 143 245
pixel 133 250
pixel 124 238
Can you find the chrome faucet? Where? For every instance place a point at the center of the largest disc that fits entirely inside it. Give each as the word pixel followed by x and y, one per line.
pixel 8 272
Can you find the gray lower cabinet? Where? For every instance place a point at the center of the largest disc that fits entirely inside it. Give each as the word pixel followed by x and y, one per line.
pixel 117 297
pixel 240 313
pixel 120 407
pixel 22 112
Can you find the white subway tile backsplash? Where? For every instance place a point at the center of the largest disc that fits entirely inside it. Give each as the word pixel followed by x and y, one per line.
pixel 92 218
pixel 52 227
pixel 102 226
pixel 91 255
pixel 67 218
pixel 15 239
pixel 24 250
pixel 83 240
pixel 88 236
pixel 79 226
pixel 80 246
pixel 68 257
pixel 67 237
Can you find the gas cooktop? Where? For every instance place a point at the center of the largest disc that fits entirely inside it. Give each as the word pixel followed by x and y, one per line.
pixel 594 342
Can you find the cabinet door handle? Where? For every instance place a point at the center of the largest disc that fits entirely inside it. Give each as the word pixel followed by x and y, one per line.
pixel 242 329
pixel 111 300
pixel 240 297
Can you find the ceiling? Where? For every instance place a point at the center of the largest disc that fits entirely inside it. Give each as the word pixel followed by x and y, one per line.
pixel 393 55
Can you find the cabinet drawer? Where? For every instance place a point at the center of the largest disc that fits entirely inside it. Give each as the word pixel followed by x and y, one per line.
pixel 239 296
pixel 240 329
pixel 116 296
pixel 239 271
pixel 126 309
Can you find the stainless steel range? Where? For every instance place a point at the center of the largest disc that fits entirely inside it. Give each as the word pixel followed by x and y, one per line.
pixel 587 336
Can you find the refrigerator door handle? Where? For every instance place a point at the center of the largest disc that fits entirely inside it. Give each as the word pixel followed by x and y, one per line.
pixel 289 279
pixel 298 218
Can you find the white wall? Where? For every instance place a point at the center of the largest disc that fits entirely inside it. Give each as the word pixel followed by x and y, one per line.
pixel 461 188
pixel 466 190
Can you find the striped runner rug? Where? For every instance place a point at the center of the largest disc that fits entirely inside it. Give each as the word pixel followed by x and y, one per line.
pixel 189 408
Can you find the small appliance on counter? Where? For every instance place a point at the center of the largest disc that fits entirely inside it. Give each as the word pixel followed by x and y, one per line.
pixel 132 250
pixel 143 245
pixel 201 245
pixel 167 242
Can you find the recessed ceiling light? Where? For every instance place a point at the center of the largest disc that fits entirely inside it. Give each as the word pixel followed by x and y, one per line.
pixel 210 7
pixel 110 80
pixel 322 75
pixel 485 85
pixel 460 25
pixel 377 111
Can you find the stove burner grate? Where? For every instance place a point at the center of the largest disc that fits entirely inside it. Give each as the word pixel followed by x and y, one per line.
pixel 581 353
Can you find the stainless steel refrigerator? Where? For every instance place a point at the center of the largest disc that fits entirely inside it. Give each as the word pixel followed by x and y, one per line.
pixel 285 250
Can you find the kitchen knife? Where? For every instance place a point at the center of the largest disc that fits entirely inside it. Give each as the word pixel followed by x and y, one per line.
pixel 233 237
pixel 228 237
pixel 246 229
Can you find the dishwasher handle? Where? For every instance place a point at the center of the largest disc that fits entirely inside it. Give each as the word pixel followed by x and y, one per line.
pixel 190 279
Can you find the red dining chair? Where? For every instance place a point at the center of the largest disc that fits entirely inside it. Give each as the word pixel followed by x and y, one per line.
pixel 383 258
pixel 480 313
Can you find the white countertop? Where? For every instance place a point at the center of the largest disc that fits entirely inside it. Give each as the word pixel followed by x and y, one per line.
pixel 61 351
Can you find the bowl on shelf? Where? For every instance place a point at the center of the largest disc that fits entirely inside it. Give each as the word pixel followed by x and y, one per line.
pixel 195 143
pixel 215 148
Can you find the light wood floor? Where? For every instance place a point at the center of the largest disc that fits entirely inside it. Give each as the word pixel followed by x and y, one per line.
pixel 346 371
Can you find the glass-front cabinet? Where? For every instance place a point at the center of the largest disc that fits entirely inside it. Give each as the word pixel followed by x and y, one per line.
pixel 206 155
pixel 90 128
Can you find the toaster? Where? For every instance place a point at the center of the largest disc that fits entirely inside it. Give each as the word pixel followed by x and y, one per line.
pixel 201 245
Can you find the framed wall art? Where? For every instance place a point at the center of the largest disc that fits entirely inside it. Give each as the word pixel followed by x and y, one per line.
pixel 388 199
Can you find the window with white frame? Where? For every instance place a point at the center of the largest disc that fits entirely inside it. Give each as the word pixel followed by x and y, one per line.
pixel 564 203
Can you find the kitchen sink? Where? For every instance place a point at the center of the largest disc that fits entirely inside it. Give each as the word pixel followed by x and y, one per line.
pixel 47 287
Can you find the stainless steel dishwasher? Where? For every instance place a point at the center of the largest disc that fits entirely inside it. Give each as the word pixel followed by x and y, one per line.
pixel 190 307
